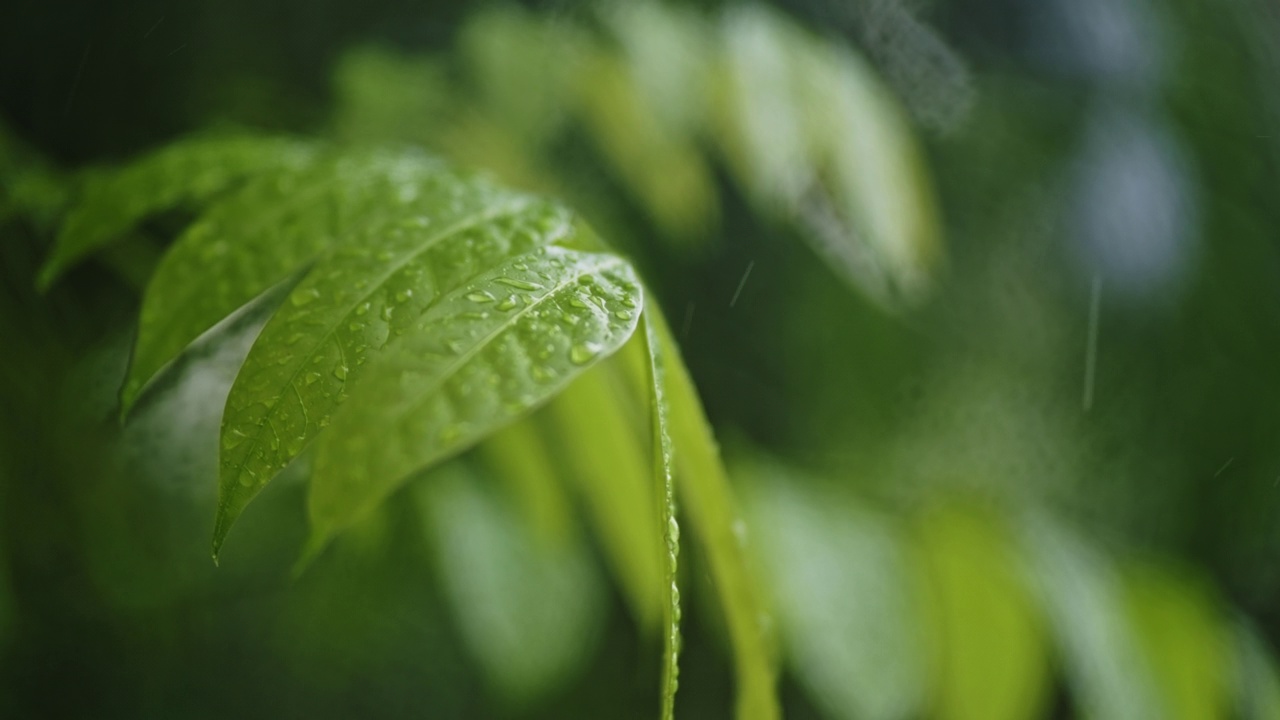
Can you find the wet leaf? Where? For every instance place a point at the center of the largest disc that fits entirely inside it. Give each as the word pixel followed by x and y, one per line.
pixel 357 303
pixel 468 372
pixel 187 171
pixel 709 505
pixel 268 231
pixel 670 527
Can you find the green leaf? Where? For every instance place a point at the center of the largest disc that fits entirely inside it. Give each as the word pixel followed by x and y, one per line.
pixel 599 435
pixel 991 649
pixel 670 528
pixel 1257 677
pixel 473 368
pixel 355 304
pixel 1082 596
pixel 1186 644
pixel 521 458
pixel 819 142
pixel 187 171
pixel 713 517
pixel 529 610
pixel 663 170
pixel 839 576
pixel 261 235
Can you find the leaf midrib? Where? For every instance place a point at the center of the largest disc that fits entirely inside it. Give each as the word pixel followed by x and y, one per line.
pixel 509 208
pixel 457 364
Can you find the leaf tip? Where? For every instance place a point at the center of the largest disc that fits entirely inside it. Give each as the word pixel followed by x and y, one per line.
pixel 316 545
pixel 49 274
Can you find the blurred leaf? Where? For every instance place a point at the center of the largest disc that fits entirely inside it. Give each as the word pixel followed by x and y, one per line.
pixel 601 440
pixel 519 457
pixel 1257 675
pixel 522 68
pixel 991 654
pixel 529 610
pixel 386 95
pixel 663 169
pixel 845 603
pixel 187 171
pixel 815 137
pixel 358 302
pixel 670 528
pixel 712 513
pixel 484 355
pixel 29 185
pixel 819 144
pixel 1186 644
pixel 1084 600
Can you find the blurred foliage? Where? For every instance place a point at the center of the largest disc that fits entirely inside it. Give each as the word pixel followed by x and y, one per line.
pixel 661 92
pixel 1035 480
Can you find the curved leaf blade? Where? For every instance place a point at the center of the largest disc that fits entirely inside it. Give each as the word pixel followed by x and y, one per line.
pixel 259 236
pixel 665 486
pixel 711 510
pixel 600 440
pixel 356 303
pixel 190 170
pixel 473 369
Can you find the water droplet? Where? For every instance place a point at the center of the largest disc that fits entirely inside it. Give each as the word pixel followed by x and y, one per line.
pixel 626 300
pixel 518 284
pixel 583 353
pixel 355 326
pixel 294 338
pixel 509 303
pixel 622 315
pixel 340 372
pixel 386 313
pixel 312 378
pixel 480 297
pixel 578 302
pixel 673 530
pixel 404 295
pixel 364 308
pixel 303 296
